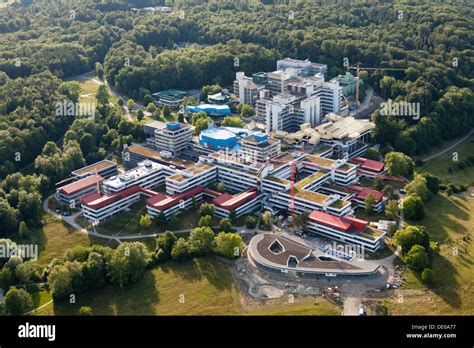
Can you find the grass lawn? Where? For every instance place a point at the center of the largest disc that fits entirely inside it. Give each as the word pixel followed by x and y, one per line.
pixel 208 287
pixel 126 222
pixel 40 298
pixel 440 165
pixel 55 237
pixel 449 221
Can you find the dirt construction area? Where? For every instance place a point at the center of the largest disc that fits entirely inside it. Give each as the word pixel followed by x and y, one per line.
pixel 351 291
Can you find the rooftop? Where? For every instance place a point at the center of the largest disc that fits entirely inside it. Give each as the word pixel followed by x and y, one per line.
pixel 81 184
pixel 93 167
pixel 364 192
pixel 260 140
pixel 96 200
pixel 171 93
pixel 285 252
pixel 222 158
pixel 192 171
pixel 346 224
pixel 230 202
pixel 344 127
pixel 309 179
pixel 327 163
pixel 142 169
pixel 367 164
pixel 154 155
pixel 162 201
pixel 217 133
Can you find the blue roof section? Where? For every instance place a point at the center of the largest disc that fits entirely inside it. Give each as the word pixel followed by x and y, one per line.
pixel 172 125
pixel 261 137
pixel 210 109
pixel 215 138
pixel 241 132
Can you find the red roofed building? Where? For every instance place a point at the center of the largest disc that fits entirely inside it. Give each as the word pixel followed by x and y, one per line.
pixel 369 167
pixel 171 205
pixel 98 207
pixel 346 229
pixel 71 194
pixel 362 193
pixel 224 202
pixel 242 203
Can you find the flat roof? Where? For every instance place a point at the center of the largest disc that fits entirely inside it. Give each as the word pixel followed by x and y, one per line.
pixel 310 195
pixel 170 92
pixel 347 127
pixel 327 163
pixel 96 200
pixel 364 192
pixel 93 167
pixel 374 166
pixel 155 155
pixel 218 133
pixel 265 143
pixel 144 168
pixel 230 159
pixel 288 247
pixel 347 224
pixel 194 170
pixel 162 201
pixel 230 202
pixel 309 179
pixel 81 184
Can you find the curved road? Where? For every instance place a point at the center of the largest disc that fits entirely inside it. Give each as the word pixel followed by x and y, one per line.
pixel 71 221
pixel 452 146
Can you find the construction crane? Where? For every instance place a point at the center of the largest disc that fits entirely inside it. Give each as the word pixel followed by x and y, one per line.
pixel 358 68
pixel 293 177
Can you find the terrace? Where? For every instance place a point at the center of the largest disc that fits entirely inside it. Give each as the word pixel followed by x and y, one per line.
pixel 310 196
pixel 94 167
pixel 194 170
pixel 278 180
pixel 370 233
pixel 310 179
pixel 155 155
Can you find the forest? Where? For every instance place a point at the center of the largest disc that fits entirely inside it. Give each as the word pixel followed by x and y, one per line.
pixel 204 43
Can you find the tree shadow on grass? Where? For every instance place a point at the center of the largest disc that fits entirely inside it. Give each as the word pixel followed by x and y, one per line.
pixel 195 269
pixel 187 269
pixel 139 298
pixel 442 216
pixel 446 286
pixel 216 272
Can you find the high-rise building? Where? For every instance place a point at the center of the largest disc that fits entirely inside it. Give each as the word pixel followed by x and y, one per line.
pixel 294 94
pixel 260 147
pixel 173 137
pixel 305 67
pixel 331 97
pixel 287 111
pixel 248 88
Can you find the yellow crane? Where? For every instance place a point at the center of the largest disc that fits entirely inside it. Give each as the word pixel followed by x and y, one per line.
pixel 358 68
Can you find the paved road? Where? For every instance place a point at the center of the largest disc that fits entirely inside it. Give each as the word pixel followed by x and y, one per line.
pixel 34 310
pixel 71 221
pixel 463 139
